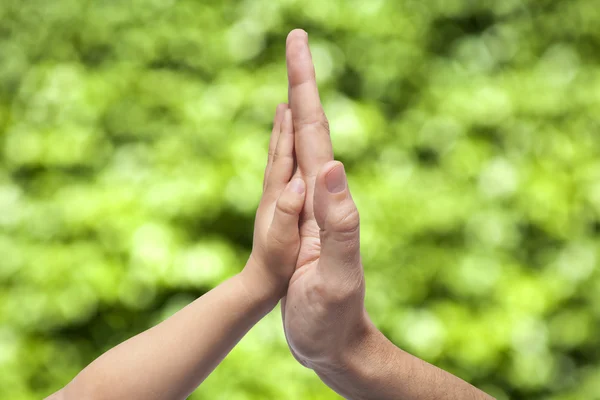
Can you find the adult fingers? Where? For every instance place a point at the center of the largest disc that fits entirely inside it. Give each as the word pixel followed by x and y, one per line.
pixel 313 143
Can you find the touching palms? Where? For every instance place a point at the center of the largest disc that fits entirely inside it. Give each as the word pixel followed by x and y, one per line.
pixel 308 312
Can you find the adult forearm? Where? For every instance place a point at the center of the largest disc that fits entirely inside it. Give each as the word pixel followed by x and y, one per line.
pixel 171 359
pixel 375 369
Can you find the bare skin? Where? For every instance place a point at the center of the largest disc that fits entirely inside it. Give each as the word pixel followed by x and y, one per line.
pixel 306 247
pixel 171 359
pixel 325 321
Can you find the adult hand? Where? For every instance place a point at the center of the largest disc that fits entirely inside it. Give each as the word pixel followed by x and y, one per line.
pixel 323 313
pixel 325 322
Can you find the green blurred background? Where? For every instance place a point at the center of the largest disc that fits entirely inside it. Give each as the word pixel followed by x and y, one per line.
pixel 133 138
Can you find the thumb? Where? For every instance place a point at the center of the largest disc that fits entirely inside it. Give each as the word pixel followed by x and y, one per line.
pixel 283 232
pixel 338 219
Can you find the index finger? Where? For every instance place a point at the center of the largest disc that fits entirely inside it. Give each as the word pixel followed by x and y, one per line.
pixel 313 143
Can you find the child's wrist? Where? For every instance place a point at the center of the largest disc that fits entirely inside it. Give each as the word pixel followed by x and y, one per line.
pixel 260 287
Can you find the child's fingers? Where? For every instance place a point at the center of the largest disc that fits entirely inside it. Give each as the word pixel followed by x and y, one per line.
pixel 279 114
pixel 282 165
pixel 283 232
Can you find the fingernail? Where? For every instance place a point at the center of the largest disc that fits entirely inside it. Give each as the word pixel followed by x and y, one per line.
pixel 297 185
pixel 336 179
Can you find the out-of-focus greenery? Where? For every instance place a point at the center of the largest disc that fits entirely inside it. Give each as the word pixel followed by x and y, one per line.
pixel 133 139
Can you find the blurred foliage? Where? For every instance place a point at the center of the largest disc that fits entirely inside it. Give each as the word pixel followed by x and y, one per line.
pixel 133 139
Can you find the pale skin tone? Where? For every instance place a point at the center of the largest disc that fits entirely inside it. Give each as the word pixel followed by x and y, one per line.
pixel 325 321
pixel 171 359
pixel 306 248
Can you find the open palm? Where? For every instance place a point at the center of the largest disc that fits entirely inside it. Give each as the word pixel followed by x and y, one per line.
pixel 317 288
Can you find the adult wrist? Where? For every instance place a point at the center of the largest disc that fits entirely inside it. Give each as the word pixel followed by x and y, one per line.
pixel 360 364
pixel 377 369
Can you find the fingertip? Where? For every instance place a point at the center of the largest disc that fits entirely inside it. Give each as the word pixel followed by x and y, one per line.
pixel 335 179
pixel 328 167
pixel 287 125
pixel 280 111
pixel 297 50
pixel 297 34
pixel 331 183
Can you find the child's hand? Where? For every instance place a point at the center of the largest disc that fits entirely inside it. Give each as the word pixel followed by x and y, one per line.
pixel 276 238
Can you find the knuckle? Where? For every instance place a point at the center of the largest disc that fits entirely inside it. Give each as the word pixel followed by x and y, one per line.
pixel 287 206
pixel 338 292
pixel 323 123
pixel 283 158
pixel 341 296
pixel 347 291
pixel 317 120
pixel 346 220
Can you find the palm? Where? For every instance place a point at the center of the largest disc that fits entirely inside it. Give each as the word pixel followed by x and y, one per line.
pixel 310 242
pixel 297 309
pixel 311 321
pixel 296 305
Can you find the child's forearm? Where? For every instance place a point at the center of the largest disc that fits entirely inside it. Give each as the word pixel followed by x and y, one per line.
pixel 171 359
